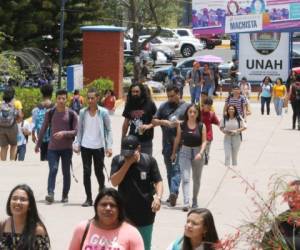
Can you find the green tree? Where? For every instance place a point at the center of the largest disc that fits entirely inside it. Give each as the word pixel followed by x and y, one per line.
pixel 145 14
pixel 36 23
pixel 9 68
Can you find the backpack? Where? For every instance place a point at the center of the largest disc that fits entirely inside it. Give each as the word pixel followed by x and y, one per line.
pixel 239 124
pixel 297 92
pixel 8 115
pixel 76 105
pixel 40 117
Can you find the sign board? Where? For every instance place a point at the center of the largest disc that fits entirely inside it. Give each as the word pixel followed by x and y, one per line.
pixel 264 54
pixel 74 77
pixel 240 16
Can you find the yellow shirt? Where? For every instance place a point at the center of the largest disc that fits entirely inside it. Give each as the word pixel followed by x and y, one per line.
pixel 18 105
pixel 279 90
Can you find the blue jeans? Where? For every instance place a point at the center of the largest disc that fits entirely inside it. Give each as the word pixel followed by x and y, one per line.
pixel 21 151
pixel 53 161
pixel 173 170
pixel 265 100
pixel 195 92
pixel 278 104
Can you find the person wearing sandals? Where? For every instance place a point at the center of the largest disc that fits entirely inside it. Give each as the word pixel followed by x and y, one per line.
pixel 108 228
pixel 199 232
pixel 23 229
pixel 191 133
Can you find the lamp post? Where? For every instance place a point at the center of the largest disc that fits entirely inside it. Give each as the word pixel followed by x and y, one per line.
pixel 61 40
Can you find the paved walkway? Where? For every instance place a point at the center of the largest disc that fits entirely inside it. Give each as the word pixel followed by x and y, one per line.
pixel 269 146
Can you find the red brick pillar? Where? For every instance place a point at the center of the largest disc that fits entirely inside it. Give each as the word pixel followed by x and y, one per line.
pixel 103 54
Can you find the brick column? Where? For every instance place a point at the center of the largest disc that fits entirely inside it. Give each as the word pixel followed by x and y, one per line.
pixel 103 54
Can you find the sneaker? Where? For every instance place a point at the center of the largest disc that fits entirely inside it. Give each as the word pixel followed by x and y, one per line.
pixel 49 198
pixel 64 200
pixel 87 203
pixel 173 199
pixel 186 208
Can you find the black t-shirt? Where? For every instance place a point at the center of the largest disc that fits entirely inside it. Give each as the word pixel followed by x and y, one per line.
pixel 138 116
pixel 137 188
pixel 191 137
pixel 167 111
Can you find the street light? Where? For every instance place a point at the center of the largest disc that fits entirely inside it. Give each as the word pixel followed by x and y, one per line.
pixel 61 40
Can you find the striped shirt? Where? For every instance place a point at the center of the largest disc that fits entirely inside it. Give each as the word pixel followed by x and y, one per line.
pixel 238 103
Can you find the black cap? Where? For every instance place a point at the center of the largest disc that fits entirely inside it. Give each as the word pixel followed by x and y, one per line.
pixel 129 145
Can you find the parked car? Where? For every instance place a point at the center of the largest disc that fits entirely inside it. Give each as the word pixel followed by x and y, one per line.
pixel 186 46
pixel 163 53
pixel 209 41
pixel 158 44
pixel 186 65
pixel 157 87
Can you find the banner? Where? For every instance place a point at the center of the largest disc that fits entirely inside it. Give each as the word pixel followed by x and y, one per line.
pixel 241 16
pixel 264 54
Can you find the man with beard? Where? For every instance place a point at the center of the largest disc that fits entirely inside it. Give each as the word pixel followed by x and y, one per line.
pixel 167 116
pixel 138 113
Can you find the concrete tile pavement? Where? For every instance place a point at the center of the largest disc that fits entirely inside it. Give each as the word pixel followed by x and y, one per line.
pixel 269 146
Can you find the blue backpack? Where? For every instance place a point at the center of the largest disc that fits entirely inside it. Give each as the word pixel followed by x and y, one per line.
pixel 40 117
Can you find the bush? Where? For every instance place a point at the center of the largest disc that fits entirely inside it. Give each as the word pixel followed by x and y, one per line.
pixel 100 84
pixel 29 97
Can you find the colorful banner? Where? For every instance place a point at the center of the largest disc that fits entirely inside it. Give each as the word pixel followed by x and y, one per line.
pixel 238 16
pixel 264 54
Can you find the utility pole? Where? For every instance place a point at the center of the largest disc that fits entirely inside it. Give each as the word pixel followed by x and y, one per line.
pixel 61 41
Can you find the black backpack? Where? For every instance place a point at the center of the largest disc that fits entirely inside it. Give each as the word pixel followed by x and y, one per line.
pixel 297 92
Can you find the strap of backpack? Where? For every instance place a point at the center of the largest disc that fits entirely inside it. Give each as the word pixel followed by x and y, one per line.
pixel 85 233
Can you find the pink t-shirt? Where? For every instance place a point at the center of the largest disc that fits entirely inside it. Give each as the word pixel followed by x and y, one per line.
pixel 126 237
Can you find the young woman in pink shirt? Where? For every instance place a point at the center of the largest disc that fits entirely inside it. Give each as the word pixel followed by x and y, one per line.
pixel 108 229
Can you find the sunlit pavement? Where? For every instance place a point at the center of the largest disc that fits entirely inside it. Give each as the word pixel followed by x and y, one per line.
pixel 269 146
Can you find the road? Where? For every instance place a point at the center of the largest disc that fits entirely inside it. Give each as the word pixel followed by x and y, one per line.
pixel 269 147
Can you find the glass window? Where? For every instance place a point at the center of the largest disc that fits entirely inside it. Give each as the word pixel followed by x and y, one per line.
pixel 182 33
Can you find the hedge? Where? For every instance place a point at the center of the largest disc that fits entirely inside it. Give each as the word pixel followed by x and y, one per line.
pixel 31 97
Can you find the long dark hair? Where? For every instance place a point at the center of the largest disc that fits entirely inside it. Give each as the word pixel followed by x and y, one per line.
pixel 186 117
pixel 210 237
pixel 111 192
pixel 236 113
pixel 28 236
pixel 145 98
pixel 267 77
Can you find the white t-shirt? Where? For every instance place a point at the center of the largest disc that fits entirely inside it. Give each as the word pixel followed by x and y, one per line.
pixel 91 134
pixel 21 137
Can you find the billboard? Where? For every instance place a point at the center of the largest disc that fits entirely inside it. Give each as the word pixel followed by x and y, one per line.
pixel 264 54
pixel 238 16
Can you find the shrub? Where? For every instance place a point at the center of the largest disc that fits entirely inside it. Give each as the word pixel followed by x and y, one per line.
pixel 30 98
pixel 100 84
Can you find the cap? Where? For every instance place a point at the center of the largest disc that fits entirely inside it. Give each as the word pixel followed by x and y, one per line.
pixel 244 78
pixel 129 145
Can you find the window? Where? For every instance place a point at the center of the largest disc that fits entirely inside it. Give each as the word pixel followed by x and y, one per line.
pixel 182 33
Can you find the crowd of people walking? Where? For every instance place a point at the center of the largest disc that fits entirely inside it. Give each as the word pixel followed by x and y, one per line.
pixel 124 219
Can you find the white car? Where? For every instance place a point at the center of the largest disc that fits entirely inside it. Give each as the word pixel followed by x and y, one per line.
pixel 186 46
